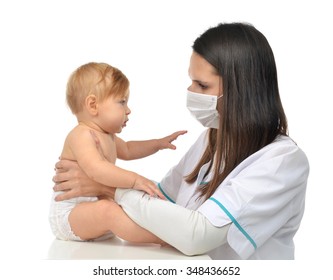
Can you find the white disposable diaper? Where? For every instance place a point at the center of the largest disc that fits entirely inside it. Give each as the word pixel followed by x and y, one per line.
pixel 58 218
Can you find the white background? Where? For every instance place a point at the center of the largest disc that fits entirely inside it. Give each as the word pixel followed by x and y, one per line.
pixel 42 42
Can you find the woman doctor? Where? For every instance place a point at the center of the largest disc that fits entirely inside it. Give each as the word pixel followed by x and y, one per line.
pixel 238 193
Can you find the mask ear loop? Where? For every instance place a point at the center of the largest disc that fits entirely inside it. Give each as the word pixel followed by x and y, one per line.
pixel 219 104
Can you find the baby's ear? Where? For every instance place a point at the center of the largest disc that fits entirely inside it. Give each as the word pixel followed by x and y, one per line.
pixel 91 104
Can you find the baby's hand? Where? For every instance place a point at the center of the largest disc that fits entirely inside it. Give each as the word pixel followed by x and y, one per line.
pixel 143 184
pixel 166 142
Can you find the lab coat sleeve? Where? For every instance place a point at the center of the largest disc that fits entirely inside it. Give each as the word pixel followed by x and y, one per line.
pixel 187 230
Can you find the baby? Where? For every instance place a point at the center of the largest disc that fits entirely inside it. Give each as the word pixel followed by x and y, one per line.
pixel 97 95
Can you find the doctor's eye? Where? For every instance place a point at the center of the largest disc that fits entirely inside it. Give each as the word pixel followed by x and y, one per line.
pixel 202 86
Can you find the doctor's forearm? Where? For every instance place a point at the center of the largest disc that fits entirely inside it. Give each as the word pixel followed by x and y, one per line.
pixel 188 231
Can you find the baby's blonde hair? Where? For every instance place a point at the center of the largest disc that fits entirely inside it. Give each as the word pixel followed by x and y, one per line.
pixel 99 79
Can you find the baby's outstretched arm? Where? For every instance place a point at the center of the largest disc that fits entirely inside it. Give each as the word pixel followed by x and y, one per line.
pixel 140 149
pixel 166 142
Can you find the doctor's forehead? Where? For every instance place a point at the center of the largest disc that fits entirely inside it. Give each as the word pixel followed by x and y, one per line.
pixel 200 69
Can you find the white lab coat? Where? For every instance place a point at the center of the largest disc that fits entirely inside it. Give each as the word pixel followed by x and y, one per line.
pixel 263 198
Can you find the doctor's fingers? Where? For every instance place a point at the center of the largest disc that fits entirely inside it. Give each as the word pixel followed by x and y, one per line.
pixel 62 186
pixel 64 165
pixel 67 195
pixel 62 177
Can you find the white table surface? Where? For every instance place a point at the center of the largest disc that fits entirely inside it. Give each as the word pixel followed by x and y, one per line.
pixel 114 248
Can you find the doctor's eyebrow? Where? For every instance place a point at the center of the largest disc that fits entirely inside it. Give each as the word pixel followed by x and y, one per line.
pixel 201 82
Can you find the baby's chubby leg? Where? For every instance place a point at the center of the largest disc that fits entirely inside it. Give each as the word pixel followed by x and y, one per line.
pixel 90 220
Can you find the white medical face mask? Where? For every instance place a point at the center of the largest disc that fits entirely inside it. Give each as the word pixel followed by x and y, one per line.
pixel 203 108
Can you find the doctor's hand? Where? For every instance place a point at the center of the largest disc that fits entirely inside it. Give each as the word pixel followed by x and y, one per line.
pixel 70 179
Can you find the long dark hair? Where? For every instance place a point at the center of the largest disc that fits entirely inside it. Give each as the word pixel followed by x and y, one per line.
pixel 251 112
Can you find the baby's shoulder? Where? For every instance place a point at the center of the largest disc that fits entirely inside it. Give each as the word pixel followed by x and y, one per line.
pixel 79 130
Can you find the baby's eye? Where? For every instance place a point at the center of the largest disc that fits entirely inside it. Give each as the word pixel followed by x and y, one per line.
pixel 123 101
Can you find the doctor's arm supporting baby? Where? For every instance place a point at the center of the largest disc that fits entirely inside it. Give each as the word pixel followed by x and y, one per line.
pixel 239 191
